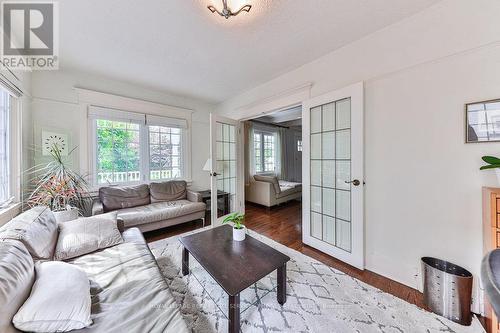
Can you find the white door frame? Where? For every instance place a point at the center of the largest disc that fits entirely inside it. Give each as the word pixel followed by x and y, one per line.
pixel 356 257
pixel 240 183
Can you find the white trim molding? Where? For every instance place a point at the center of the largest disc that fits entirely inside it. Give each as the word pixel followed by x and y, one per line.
pixel 280 101
pixel 112 101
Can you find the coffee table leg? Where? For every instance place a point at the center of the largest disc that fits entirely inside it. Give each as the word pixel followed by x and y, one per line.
pixel 282 284
pixel 185 261
pixel 234 314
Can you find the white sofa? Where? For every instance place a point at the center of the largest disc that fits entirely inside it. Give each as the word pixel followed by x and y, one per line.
pixel 269 191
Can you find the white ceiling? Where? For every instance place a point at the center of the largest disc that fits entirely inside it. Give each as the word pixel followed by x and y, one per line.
pixel 180 47
pixel 283 116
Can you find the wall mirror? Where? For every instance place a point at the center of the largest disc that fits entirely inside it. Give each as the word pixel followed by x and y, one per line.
pixel 483 121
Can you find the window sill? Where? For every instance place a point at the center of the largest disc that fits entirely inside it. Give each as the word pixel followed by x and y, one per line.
pixel 8 213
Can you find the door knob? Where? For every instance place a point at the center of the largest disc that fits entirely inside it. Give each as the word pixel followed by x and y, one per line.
pixel 354 182
pixel 214 174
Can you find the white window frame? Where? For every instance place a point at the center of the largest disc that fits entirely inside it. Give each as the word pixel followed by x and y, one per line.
pixel 14 147
pixel 262 133
pixel 15 155
pixel 183 143
pixel 144 121
pixel 88 99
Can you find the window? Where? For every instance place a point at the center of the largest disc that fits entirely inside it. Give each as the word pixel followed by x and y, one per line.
pixel 5 138
pixel 133 148
pixel 165 152
pixel 264 152
pixel 257 151
pixel 118 152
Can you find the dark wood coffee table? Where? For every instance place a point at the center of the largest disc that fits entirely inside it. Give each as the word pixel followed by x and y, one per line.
pixel 235 266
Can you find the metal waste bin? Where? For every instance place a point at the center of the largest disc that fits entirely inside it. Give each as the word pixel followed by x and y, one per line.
pixel 447 290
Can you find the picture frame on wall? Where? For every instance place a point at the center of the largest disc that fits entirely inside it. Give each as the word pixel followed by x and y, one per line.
pixel 482 121
pixel 52 139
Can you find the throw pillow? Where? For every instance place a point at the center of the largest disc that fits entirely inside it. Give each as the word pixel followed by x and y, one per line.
pixel 87 235
pixel 168 191
pixel 59 300
pixel 36 229
pixel 121 197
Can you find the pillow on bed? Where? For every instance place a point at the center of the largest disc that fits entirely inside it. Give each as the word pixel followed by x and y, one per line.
pixel 59 300
pixel 87 235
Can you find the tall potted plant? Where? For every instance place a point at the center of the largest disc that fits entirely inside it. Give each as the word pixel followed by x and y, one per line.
pixel 58 187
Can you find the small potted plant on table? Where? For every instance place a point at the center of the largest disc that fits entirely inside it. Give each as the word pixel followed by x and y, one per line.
pixel 239 229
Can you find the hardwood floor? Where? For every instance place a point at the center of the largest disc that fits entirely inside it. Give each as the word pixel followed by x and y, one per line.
pixel 283 224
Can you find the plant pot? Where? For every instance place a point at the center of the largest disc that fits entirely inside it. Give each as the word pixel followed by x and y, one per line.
pixel 66 215
pixel 497 173
pixel 239 234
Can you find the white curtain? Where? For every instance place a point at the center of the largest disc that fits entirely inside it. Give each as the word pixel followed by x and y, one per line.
pixel 4 147
pixel 249 152
pixel 281 153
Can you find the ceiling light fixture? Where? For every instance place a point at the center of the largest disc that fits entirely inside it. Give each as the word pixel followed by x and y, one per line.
pixel 226 11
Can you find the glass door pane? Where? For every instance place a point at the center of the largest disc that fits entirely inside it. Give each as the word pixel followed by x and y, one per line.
pixel 330 156
pixel 226 168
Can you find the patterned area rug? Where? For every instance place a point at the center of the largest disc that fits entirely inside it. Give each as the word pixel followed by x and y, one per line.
pixel 319 299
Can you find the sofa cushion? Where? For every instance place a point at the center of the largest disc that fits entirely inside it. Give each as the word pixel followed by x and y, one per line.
pixel 36 229
pixel 128 291
pixel 269 179
pixel 59 300
pixel 86 235
pixel 168 191
pixel 17 274
pixel 159 211
pixel 286 191
pixel 114 198
pixel 286 184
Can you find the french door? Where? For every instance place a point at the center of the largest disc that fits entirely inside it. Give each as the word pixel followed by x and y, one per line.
pixel 332 220
pixel 226 168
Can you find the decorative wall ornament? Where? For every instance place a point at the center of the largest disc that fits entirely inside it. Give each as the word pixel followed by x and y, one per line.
pixel 227 12
pixel 50 140
pixel 482 121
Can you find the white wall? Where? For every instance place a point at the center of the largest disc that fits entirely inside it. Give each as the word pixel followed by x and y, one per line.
pixel 55 106
pixel 423 191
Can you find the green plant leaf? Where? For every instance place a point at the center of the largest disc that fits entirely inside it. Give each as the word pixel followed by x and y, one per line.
pixel 236 218
pixel 491 166
pixel 491 160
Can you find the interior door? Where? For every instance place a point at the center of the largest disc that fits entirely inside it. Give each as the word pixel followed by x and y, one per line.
pixel 333 218
pixel 227 167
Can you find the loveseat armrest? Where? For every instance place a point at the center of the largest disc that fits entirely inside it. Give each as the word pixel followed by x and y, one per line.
pixel 97 207
pixel 194 196
pixel 262 193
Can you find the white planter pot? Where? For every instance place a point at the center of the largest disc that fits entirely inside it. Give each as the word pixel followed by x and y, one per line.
pixel 66 215
pixel 239 234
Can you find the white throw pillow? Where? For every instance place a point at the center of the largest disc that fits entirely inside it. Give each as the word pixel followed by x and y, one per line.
pixel 86 235
pixel 59 300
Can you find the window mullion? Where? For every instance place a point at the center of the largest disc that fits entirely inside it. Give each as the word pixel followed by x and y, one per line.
pixel 145 153
pixel 262 153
